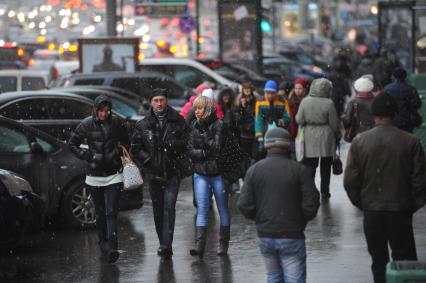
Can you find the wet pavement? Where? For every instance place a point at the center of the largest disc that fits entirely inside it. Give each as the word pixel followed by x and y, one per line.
pixel 335 245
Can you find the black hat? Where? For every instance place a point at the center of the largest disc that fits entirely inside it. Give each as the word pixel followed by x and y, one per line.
pixel 384 105
pixel 399 73
pixel 158 92
pixel 277 137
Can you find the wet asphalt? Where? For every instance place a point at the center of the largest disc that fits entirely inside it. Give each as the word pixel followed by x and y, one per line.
pixel 336 248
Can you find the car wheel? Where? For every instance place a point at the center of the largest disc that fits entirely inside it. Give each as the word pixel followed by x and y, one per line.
pixel 78 207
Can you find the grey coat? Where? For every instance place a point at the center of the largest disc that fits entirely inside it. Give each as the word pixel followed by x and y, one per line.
pixel 321 124
pixel 386 170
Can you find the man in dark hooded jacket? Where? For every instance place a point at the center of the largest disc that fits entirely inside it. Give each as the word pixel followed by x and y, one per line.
pixel 104 134
pixel 159 140
pixel 408 101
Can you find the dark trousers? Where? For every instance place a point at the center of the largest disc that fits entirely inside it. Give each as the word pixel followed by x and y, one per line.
pixel 164 196
pixel 325 171
pixel 106 200
pixel 383 228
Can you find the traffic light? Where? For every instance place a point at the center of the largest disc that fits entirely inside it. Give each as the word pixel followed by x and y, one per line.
pixel 267 19
pixel 265 26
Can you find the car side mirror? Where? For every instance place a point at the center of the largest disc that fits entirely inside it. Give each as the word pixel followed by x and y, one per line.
pixel 36 148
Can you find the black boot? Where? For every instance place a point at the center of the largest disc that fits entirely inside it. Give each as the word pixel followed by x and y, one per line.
pixel 113 253
pixel 224 236
pixel 200 242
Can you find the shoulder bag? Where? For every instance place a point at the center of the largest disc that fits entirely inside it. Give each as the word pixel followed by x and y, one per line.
pixel 132 177
pixel 337 163
pixel 351 132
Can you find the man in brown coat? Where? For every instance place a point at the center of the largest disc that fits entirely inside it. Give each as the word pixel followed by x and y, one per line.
pixel 385 177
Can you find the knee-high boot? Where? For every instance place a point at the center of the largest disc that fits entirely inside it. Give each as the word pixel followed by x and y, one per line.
pixel 224 236
pixel 200 242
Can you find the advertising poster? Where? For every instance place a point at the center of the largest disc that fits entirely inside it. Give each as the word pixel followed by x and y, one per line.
pixel 240 35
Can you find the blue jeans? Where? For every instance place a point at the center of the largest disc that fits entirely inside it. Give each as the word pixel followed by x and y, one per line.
pixel 202 189
pixel 164 197
pixel 106 200
pixel 285 259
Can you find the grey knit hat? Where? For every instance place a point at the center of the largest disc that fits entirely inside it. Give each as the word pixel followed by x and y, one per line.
pixel 277 137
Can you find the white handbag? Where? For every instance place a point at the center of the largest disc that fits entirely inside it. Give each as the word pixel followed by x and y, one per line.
pixel 300 144
pixel 132 177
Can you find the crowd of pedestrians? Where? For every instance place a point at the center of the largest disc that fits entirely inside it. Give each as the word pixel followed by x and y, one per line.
pixel 278 192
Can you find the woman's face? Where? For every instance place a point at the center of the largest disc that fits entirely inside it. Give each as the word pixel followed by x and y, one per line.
pixel 299 89
pixel 226 99
pixel 244 101
pixel 199 112
pixel 246 91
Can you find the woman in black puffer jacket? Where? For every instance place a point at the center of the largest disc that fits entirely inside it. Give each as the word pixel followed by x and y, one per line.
pixel 104 134
pixel 205 142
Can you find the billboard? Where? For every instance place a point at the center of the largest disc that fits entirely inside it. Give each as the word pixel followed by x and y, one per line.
pixel 240 34
pixel 108 54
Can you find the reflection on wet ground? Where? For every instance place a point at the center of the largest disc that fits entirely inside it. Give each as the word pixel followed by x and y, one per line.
pixel 335 244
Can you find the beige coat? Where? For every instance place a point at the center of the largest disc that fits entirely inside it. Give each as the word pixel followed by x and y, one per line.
pixel 321 124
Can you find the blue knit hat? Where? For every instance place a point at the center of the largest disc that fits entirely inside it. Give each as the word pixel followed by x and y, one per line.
pixel 271 85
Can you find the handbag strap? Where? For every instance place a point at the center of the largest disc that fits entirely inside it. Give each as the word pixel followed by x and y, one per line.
pixel 126 153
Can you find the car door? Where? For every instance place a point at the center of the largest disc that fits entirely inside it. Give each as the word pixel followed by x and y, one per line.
pixel 16 155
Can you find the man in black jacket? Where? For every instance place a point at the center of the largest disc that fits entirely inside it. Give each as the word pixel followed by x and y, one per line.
pixel 159 141
pixel 280 195
pixel 385 177
pixel 104 134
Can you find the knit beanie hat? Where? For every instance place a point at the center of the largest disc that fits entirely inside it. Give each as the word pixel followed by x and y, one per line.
pixel 158 92
pixel 384 105
pixel 271 85
pixel 208 93
pixel 363 84
pixel 277 137
pixel 199 89
pixel 303 82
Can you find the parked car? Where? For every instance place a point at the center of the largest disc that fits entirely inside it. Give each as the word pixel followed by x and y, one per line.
pixel 305 59
pixel 236 72
pixel 280 68
pixel 141 83
pixel 21 210
pixel 17 80
pixel 56 113
pixel 126 107
pixel 189 73
pixel 54 172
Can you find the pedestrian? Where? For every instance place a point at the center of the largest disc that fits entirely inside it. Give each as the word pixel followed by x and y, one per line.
pixel 408 101
pixel 104 134
pixel 339 76
pixel 226 102
pixel 321 131
pixel 360 106
pixel 188 106
pixel 205 143
pixel 270 113
pixel 385 177
pixel 297 94
pixel 279 194
pixel 244 108
pixel 208 92
pixel 158 142
pixel 284 90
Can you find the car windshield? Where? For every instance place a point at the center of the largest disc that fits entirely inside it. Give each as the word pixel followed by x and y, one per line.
pixel 123 108
pixel 8 84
